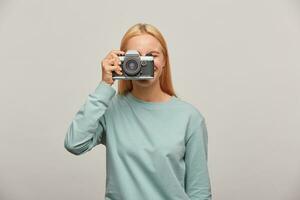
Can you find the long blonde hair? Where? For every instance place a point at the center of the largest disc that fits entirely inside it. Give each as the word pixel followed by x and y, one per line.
pixel 165 78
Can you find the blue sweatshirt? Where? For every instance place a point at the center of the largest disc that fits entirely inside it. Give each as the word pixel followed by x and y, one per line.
pixel 154 150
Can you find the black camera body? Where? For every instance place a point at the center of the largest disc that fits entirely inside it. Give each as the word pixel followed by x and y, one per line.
pixel 135 67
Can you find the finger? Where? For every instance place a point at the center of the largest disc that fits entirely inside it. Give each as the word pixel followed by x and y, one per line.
pixel 118 71
pixel 115 62
pixel 114 52
pixel 108 55
pixel 117 58
pixel 115 69
pixel 106 63
pixel 118 52
pixel 111 61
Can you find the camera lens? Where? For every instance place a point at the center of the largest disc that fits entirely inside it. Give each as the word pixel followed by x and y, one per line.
pixel 132 65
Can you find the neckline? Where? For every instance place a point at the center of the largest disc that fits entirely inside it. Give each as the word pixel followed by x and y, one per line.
pixel 150 104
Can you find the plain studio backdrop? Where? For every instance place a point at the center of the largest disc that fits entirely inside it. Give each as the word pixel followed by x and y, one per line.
pixel 237 61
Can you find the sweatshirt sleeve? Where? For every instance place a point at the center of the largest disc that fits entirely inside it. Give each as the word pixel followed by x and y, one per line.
pixel 198 185
pixel 88 127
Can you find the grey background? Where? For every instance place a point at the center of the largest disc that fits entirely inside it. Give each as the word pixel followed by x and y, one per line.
pixel 236 61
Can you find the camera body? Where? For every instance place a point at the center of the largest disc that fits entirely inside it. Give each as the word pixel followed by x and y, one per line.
pixel 135 67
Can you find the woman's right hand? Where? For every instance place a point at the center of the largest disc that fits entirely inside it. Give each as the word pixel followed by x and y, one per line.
pixel 111 63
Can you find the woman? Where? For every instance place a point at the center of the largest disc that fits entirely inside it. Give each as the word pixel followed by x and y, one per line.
pixel 156 143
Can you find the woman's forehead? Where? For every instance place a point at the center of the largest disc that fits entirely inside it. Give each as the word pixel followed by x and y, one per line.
pixel 144 44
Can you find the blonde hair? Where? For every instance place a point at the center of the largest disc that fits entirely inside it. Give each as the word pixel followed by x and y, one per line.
pixel 165 79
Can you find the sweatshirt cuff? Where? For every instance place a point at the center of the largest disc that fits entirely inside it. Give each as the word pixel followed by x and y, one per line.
pixel 104 91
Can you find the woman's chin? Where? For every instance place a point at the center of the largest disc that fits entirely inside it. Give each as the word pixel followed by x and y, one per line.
pixel 146 82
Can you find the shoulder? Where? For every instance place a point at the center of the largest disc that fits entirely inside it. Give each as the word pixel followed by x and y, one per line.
pixel 194 112
pixel 196 120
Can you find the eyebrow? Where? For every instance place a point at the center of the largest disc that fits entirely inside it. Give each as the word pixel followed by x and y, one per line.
pixel 153 51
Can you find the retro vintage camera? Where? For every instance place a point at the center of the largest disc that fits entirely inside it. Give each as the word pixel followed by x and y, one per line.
pixel 135 67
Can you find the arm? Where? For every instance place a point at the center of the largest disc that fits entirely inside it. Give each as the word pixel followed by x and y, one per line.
pixel 88 127
pixel 197 176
